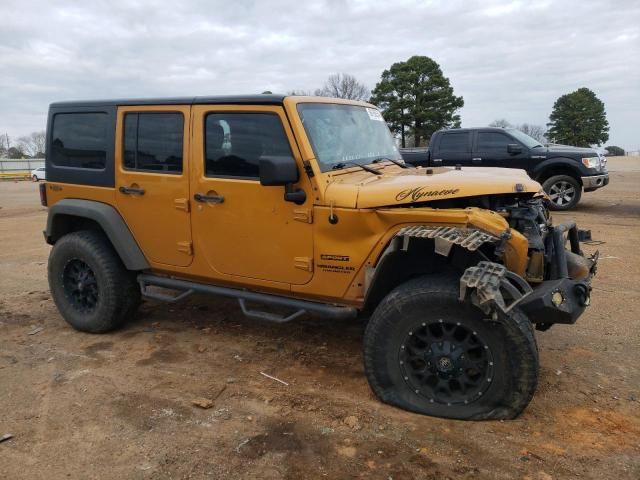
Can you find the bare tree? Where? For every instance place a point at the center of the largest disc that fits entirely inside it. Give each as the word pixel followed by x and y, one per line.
pixel 534 131
pixel 33 144
pixel 343 85
pixel 5 144
pixel 501 123
pixel 300 93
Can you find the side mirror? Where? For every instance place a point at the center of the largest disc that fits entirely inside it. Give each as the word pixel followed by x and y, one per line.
pixel 282 171
pixel 278 171
pixel 514 148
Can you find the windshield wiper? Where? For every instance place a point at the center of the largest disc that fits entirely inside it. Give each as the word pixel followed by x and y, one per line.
pixel 341 165
pixel 382 159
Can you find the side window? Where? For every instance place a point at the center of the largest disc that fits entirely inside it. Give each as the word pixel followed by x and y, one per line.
pixel 153 142
pixel 493 141
pixel 234 143
pixel 79 140
pixel 455 142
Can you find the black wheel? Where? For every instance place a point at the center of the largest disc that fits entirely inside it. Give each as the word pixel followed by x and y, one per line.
pixel 89 284
pixel 35 178
pixel 564 192
pixel 426 352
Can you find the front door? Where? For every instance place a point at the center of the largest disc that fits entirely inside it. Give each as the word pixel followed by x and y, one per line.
pixel 152 180
pixel 492 150
pixel 242 228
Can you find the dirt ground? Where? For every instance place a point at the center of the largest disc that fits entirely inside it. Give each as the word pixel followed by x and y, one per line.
pixel 120 405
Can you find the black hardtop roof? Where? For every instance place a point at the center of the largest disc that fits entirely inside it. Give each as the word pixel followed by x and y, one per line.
pixel 257 99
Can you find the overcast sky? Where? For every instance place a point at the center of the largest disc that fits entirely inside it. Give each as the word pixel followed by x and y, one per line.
pixel 508 59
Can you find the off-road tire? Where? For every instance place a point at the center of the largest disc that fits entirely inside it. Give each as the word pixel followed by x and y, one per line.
pixel 554 184
pixel 511 382
pixel 118 294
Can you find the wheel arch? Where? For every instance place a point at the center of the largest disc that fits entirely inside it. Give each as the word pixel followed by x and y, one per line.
pixel 397 265
pixel 562 166
pixel 71 215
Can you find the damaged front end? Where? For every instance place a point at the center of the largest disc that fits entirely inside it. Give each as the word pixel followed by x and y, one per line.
pixel 566 291
pixel 558 270
pixel 554 287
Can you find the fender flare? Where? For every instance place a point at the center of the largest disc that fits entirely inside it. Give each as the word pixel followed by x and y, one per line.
pixel 554 163
pixel 109 220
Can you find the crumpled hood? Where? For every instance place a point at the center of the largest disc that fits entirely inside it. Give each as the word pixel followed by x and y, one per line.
pixel 398 187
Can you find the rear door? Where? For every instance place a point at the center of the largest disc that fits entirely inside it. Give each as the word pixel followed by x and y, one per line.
pixel 152 180
pixel 453 148
pixel 492 150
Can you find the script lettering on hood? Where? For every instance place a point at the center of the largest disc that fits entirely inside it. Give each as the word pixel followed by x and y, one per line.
pixel 418 193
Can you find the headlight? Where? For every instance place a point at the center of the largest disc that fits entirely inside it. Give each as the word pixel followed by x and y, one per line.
pixel 591 162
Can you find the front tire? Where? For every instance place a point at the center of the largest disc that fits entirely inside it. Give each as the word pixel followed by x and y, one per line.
pixel 35 178
pixel 92 289
pixel 564 192
pixel 426 352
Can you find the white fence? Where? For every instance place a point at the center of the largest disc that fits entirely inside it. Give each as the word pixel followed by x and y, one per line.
pixel 19 168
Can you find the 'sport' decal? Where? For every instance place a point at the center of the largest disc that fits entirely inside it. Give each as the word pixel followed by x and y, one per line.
pixel 334 258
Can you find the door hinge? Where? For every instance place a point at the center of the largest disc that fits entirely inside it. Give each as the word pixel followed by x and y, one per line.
pixel 185 247
pixel 181 204
pixel 303 263
pixel 307 168
pixel 304 215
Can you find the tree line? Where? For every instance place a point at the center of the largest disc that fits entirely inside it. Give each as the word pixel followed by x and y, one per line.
pixel 417 99
pixel 29 146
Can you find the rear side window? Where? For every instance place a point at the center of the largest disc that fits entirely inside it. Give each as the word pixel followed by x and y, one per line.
pixel 234 143
pixel 153 142
pixel 455 142
pixel 492 141
pixel 79 140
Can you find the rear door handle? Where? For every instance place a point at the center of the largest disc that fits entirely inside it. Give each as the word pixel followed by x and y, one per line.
pixel 131 190
pixel 476 160
pixel 198 197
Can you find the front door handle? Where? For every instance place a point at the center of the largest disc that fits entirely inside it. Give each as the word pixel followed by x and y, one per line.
pixel 131 190
pixel 198 197
pixel 476 160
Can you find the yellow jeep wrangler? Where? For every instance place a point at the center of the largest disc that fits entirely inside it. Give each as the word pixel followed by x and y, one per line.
pixel 305 204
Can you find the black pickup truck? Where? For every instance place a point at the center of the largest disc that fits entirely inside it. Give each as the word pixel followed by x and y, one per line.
pixel 562 170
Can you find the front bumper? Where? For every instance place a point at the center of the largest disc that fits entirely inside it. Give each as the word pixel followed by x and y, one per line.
pixel 563 298
pixel 594 182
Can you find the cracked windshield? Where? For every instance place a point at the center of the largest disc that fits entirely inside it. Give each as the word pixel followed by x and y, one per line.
pixel 345 134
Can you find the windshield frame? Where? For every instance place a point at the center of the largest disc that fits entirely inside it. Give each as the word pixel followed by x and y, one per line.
pixel 326 166
pixel 523 138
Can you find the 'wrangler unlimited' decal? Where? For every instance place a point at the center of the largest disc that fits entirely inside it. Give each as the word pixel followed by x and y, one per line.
pixel 419 193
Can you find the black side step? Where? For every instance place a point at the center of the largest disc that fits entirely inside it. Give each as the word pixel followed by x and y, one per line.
pixel 301 306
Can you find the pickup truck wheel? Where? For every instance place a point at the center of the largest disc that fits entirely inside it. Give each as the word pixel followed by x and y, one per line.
pixel 564 192
pixel 426 352
pixel 89 284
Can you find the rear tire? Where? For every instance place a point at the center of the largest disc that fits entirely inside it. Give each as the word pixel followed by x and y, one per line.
pixel 92 289
pixel 426 352
pixel 564 192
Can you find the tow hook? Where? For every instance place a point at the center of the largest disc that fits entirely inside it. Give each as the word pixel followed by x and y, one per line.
pixel 583 293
